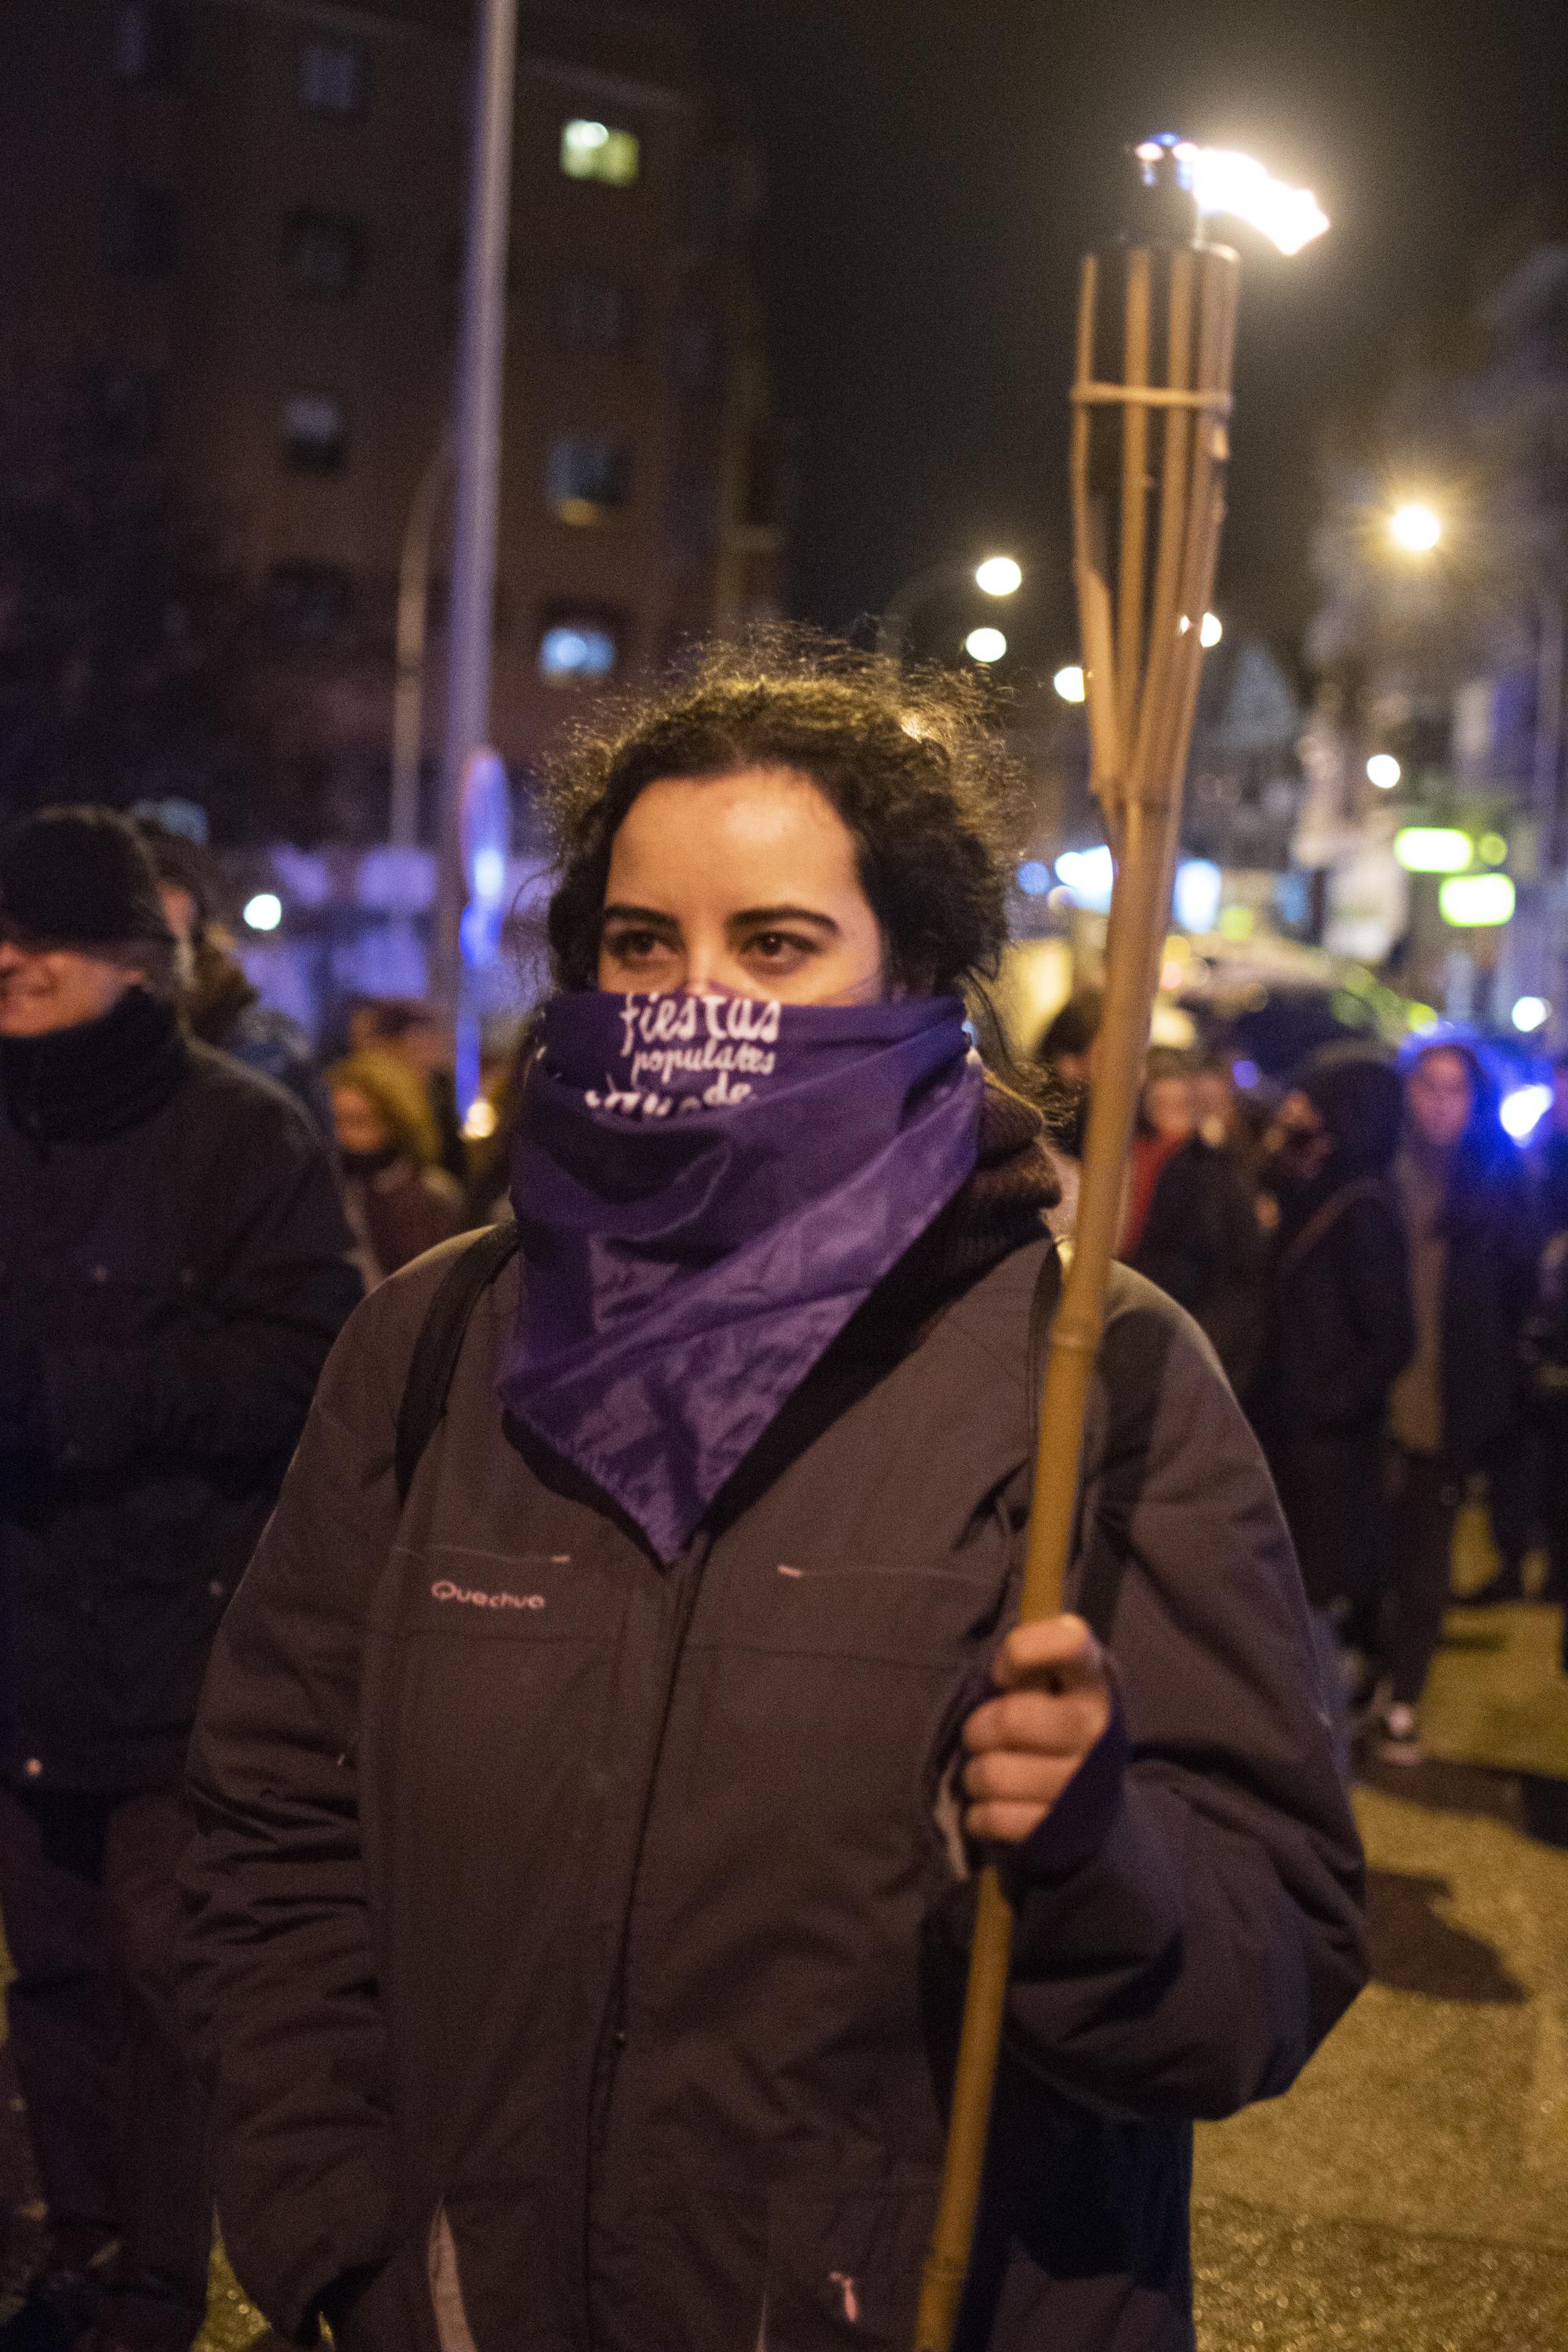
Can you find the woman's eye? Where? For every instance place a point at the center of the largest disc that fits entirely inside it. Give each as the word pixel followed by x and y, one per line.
pixel 633 947
pixel 777 947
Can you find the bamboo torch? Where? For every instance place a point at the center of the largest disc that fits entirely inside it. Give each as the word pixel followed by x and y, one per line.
pixel 1150 402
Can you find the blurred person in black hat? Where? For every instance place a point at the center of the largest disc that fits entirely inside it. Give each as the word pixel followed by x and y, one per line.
pixel 222 1007
pixel 173 1267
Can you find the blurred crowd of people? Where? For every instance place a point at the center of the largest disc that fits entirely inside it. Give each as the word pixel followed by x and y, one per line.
pixel 1383 1275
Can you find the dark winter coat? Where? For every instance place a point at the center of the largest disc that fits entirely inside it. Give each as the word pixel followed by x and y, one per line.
pixel 168 1293
pixel 1201 1242
pixel 1339 1330
pixel 577 1942
pixel 1494 1246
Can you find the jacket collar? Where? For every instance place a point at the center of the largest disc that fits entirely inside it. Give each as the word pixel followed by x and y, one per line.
pixel 84 1084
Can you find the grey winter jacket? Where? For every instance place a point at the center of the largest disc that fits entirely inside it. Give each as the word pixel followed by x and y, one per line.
pixel 578 1942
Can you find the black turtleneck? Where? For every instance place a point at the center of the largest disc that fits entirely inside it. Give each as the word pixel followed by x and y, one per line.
pixel 84 1084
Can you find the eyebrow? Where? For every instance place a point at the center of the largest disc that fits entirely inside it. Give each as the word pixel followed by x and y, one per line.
pixel 621 912
pixel 785 914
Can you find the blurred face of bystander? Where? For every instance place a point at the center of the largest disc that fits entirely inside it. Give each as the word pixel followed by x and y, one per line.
pixel 1303 1138
pixel 1169 1108
pixel 743 883
pixel 179 912
pixel 1441 1099
pixel 360 1125
pixel 43 989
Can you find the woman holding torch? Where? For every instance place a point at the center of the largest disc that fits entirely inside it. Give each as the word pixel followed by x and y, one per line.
pixel 599 1754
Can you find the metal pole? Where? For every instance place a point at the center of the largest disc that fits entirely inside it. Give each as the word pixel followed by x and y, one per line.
pixel 481 371
pixel 413 607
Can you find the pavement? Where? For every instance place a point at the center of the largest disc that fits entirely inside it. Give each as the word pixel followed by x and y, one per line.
pixel 1410 2192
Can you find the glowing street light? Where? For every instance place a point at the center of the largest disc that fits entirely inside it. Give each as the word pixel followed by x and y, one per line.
pixel 985 645
pixel 1415 528
pixel 1210 629
pixel 1069 683
pixel 1087 875
pixel 1384 770
pixel 1529 1014
pixel 999 576
pixel 1467 900
pixel 1432 849
pixel 264 912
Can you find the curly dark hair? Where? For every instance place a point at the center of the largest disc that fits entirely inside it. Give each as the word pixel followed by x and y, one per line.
pixel 912 763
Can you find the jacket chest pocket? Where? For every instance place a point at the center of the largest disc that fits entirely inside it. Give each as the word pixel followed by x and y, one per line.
pixel 862 1611
pixel 832 1691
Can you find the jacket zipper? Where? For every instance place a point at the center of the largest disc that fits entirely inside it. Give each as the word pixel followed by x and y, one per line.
pixel 692 1565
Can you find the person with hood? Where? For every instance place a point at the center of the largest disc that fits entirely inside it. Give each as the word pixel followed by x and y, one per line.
pixel 1338 1327
pixel 399 1201
pixel 595 1758
pixel 173 1267
pixel 1473 1258
pixel 222 1006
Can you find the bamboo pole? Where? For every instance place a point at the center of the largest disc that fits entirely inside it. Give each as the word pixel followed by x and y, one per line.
pixel 1142 651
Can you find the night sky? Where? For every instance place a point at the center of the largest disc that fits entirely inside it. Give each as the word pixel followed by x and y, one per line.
pixel 936 168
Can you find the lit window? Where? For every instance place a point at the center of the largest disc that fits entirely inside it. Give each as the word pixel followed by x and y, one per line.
pixel 577 649
pixel 322 255
pixel 315 433
pixel 309 602
pixel 585 478
pixel 146 42
pixel 592 151
pixel 141 232
pixel 332 77
pixel 596 316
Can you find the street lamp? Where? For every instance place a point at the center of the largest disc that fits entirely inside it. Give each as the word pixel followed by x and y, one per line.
pixel 999 575
pixel 985 645
pixel 1384 770
pixel 1415 528
pixel 996 575
pixel 1068 682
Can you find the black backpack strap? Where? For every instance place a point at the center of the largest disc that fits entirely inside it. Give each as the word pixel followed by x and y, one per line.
pixel 440 1342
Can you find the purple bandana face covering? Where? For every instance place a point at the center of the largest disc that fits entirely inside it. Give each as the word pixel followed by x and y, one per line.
pixel 707 1188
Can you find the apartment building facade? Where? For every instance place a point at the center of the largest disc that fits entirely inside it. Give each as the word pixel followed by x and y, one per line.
pixel 241 222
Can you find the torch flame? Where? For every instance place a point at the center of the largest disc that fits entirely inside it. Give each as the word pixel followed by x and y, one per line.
pixel 1223 182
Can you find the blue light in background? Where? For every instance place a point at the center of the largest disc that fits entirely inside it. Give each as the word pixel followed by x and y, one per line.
pixel 1034 878
pixel 1522 1110
pixel 576 650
